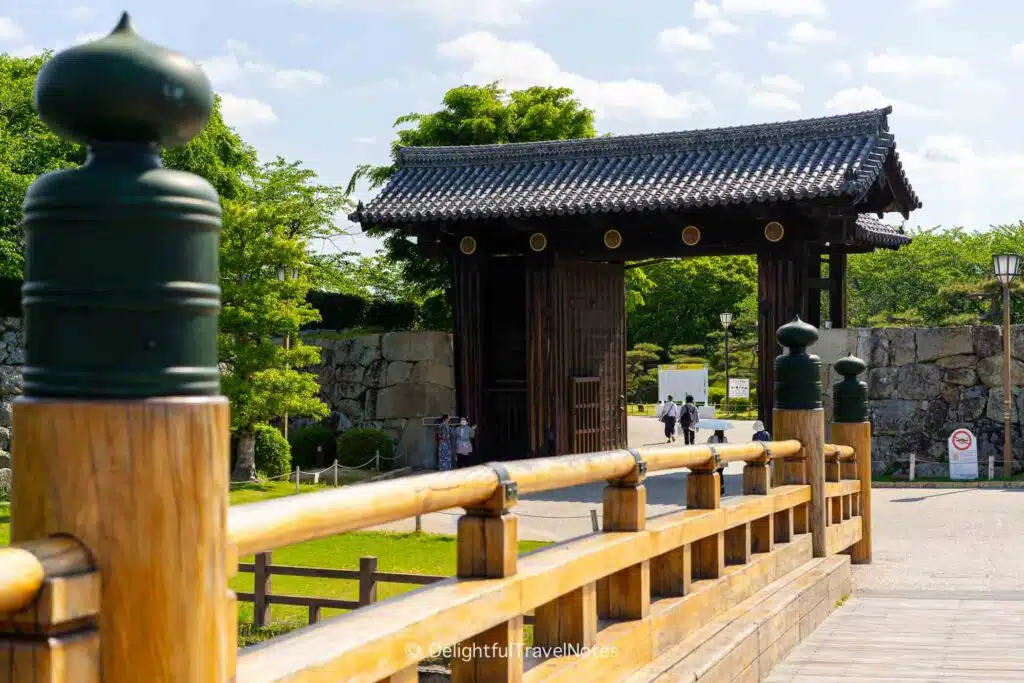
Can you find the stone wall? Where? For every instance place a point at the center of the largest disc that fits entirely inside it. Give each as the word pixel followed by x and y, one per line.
pixel 390 382
pixel 925 382
pixel 12 355
pixel 384 381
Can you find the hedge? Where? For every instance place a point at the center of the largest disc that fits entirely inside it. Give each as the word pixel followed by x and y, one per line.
pixel 357 447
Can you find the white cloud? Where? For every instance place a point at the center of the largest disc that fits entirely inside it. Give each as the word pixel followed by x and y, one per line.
pixel 780 8
pixel 721 27
pixel 1017 50
pixel 244 111
pixel 9 30
pixel 728 79
pixel 228 69
pixel 781 82
pixel 866 97
pixel 806 32
pixel 366 140
pixel 25 51
pixel 87 38
pixel 518 64
pixel 785 48
pixel 682 38
pixel 773 101
pixel 475 12
pixel 925 5
pixel 895 64
pixel 80 12
pixel 705 11
pixel 841 68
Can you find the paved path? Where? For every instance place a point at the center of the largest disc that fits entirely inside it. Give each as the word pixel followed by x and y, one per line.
pixel 942 601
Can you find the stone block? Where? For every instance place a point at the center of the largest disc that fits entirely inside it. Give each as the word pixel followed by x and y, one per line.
pixel 931 469
pixel 942 342
pixel 5 414
pixel 5 459
pixel 957 362
pixel 891 415
pixel 835 344
pixel 1016 341
pixel 990 371
pixel 994 409
pixel 10 381
pixel 873 347
pixel 432 372
pixel 919 381
pixel 881 383
pixel 417 346
pixel 902 346
pixel 398 372
pixel 375 374
pixel 5 439
pixel 412 400
pixel 987 341
pixel 972 403
pixel 349 373
pixel 966 377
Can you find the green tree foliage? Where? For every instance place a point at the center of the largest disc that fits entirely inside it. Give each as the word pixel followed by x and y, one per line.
pixel 943 277
pixel 688 296
pixel 28 148
pixel 268 231
pixel 641 371
pixel 271 451
pixel 471 115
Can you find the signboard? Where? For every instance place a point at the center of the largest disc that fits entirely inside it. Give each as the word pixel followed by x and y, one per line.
pixel 963 455
pixel 739 388
pixel 679 383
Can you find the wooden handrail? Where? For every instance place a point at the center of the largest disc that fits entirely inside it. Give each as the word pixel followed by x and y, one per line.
pixel 25 566
pixel 272 524
pixel 835 452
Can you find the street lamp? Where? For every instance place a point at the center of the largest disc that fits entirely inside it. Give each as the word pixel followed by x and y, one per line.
pixel 282 275
pixel 1006 267
pixel 726 319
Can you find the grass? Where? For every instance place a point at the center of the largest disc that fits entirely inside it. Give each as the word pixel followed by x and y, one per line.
pixel 903 479
pixel 413 553
pixel 255 492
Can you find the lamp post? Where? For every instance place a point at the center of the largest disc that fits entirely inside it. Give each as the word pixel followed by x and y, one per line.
pixel 282 275
pixel 726 319
pixel 1006 267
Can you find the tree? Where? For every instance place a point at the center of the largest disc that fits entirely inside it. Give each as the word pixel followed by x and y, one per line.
pixel 470 115
pixel 268 231
pixel 639 374
pixel 28 148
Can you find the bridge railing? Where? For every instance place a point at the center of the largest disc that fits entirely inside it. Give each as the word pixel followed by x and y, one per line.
pixel 122 395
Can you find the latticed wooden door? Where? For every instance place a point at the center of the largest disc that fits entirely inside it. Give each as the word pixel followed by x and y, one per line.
pixel 586 414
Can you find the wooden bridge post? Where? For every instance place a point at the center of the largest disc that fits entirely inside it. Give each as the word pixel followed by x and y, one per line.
pixel 121 437
pixel 851 428
pixel 488 548
pixel 799 415
pixel 627 593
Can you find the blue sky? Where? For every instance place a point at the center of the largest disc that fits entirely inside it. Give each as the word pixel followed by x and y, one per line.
pixel 322 81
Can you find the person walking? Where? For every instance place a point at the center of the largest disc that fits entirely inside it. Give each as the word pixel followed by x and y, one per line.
pixel 669 419
pixel 688 419
pixel 716 438
pixel 444 444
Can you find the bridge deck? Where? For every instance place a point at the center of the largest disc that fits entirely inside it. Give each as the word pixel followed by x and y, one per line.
pixel 914 636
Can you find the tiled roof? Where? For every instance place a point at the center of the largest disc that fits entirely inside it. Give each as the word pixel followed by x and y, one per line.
pixel 830 158
pixel 872 231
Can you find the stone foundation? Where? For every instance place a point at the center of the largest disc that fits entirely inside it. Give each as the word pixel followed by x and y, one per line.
pixel 925 382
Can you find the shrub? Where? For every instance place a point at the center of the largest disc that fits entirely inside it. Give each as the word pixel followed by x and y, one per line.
pixel 305 441
pixel 716 395
pixel 356 447
pixel 273 454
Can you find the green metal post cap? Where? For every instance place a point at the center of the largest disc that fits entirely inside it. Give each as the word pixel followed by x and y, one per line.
pixel 121 295
pixel 123 88
pixel 797 373
pixel 850 396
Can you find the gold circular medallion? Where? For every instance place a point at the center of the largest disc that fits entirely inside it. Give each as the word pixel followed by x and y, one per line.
pixel 691 235
pixel 613 239
pixel 538 241
pixel 467 245
pixel 774 231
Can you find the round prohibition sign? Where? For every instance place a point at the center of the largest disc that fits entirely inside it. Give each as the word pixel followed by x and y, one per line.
pixel 962 439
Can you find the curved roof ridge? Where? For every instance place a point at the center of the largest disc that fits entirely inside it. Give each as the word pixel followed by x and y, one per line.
pixel 869 122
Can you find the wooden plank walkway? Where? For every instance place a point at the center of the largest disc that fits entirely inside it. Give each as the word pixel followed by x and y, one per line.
pixel 914 636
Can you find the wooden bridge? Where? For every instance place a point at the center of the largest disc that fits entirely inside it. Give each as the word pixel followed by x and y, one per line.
pixel 107 583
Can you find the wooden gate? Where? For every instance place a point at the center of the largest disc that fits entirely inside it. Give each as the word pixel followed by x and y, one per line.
pixel 586 414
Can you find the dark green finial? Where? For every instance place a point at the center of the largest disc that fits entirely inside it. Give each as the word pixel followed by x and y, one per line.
pixel 123 88
pixel 850 396
pixel 121 291
pixel 797 373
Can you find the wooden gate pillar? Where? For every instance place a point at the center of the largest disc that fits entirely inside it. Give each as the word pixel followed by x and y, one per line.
pixel 121 438
pixel 799 415
pixel 850 427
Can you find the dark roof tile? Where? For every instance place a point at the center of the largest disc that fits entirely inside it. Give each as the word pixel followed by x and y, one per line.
pixel 837 157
